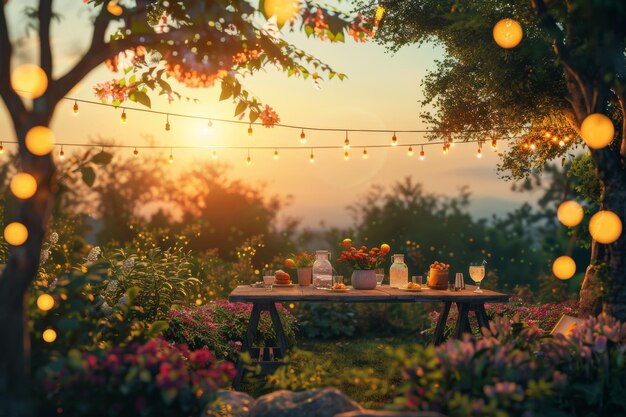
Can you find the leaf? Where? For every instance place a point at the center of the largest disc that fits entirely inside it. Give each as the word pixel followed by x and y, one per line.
pixel 227 91
pixel 102 158
pixel 89 175
pixel 158 327
pixel 165 86
pixel 241 107
pixel 141 98
pixel 253 116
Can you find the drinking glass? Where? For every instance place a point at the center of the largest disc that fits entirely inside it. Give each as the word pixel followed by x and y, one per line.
pixel 416 279
pixel 380 276
pixel 477 273
pixel 337 279
pixel 268 279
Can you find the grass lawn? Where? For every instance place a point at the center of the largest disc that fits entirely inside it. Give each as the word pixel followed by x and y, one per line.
pixel 362 367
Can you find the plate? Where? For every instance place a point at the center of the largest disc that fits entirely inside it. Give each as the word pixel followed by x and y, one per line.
pixel 410 289
pixel 340 289
pixel 283 285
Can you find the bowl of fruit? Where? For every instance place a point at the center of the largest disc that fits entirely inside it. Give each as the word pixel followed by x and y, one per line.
pixel 439 276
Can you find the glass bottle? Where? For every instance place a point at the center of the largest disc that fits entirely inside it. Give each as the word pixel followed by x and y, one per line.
pixel 399 272
pixel 322 270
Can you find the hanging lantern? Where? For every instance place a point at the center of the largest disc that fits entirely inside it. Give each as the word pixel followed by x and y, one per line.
pixel 45 302
pixel 597 131
pixel 39 140
pixel 15 234
pixel 29 81
pixel 49 335
pixel 508 33
pixel 605 227
pixel 564 267
pixel 23 185
pixel 570 213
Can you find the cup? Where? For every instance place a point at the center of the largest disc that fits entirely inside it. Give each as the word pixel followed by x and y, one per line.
pixel 380 276
pixel 417 279
pixel 337 279
pixel 268 280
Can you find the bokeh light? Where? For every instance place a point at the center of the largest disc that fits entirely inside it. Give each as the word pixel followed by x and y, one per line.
pixel 508 33
pixel 29 81
pixel 15 233
pixel 605 227
pixel 570 213
pixel 114 8
pixel 45 302
pixel 23 185
pixel 597 130
pixel 40 140
pixel 284 10
pixel 564 267
pixel 49 335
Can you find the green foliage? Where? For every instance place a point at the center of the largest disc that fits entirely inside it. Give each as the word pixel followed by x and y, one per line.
pixel 326 320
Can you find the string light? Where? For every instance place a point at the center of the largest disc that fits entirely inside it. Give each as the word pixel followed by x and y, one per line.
pixel 394 139
pixel 450 142
pixel 302 137
pixel 1 148
pixel 311 157
pixel 479 151
pixel 210 123
pixel 167 123
pixel 61 153
pixel 171 158
pixel 365 155
pixel 45 302
pixel 135 152
pixel 410 151
pixel 214 155
pixel 445 148
pixel 533 146
pixel 250 131
pixel 548 135
pixel 248 159
pixel 15 234
pixel 422 154
pixel 75 108
pixel 494 144
pixel 346 156
pixel 561 143
pixel 49 335
pixel 346 143
pixel 276 154
pixel 123 117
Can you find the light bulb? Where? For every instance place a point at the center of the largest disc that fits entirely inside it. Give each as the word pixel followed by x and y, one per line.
pixel 508 33
pixel 29 81
pixel 135 152
pixel 422 155
pixel 39 140
pixel 346 142
pixel 248 161
pixel 1 148
pixel 45 302
pixel 445 148
pixel 61 153
pixel 15 234
pixel 171 158
pixel 75 108
pixel 394 140
pixel 494 144
pixel 548 135
pixel 346 156
pixel 410 151
pixel 250 131
pixel 479 153
pixel 23 185
pixel 450 142
pixel 533 146
pixel 214 155
pixel 123 117
pixel 210 123
pixel 312 157
pixel 276 154
pixel 561 143
pixel 302 137
pixel 49 335
pixel 365 155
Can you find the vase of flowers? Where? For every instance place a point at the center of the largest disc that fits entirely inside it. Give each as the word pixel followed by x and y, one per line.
pixel 363 262
pixel 303 262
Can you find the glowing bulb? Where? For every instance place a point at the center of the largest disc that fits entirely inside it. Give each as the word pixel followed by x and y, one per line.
pixel 597 131
pixel 394 140
pixel 49 335
pixel 365 155
pixel 39 140
pixel 61 154
pixel 29 81
pixel 450 142
pixel 276 154
pixel 564 267
pixel 23 185
pixel 570 213
pixel 561 143
pixel 45 302
pixel 15 233
pixel 135 152
pixel 548 135
pixel 346 156
pixel 168 127
pixel 508 33
pixel 171 158
pixel 302 137
pixel 479 153
pixel 284 10
pixel 210 123
pixel 494 144
pixel 445 148
pixel 250 131
pixel 533 146
pixel 311 157
pixel 422 155
pixel 248 161
pixel 114 8
pixel 410 151
pixel 123 116
pixel 605 227
pixel 75 108
pixel 380 11
pixel 1 148
pixel 214 155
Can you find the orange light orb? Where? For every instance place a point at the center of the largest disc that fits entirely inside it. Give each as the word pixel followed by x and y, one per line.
pixel 23 185
pixel 508 33
pixel 15 233
pixel 40 140
pixel 114 8
pixel 597 130
pixel 564 267
pixel 45 302
pixel 49 335
pixel 605 227
pixel 29 81
pixel 284 10
pixel 570 213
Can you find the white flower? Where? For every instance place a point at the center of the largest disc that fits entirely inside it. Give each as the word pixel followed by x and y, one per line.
pixel 45 254
pixel 54 237
pixel 106 309
pixel 111 288
pixel 93 254
pixel 123 300
pixel 127 265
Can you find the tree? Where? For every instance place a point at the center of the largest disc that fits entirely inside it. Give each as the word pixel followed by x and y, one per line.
pixel 197 43
pixel 570 64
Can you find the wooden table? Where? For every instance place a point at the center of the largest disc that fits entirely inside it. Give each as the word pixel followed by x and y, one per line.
pixel 269 357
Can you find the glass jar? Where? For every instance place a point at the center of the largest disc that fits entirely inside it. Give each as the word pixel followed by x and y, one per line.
pixel 398 273
pixel 322 270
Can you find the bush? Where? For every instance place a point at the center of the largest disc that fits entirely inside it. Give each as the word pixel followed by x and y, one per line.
pixel 326 320
pixel 151 379
pixel 221 326
pixel 521 372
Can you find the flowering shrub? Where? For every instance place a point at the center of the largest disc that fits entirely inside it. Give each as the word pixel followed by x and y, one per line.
pixel 520 372
pixel 544 316
pixel 154 378
pixel 362 258
pixel 221 326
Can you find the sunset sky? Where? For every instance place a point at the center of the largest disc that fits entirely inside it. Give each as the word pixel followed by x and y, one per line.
pixel 381 92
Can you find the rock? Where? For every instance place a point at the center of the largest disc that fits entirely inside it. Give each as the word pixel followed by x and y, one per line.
pixel 326 402
pixel 229 404
pixel 375 413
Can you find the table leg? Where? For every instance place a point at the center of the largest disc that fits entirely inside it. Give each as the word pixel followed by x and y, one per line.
pixel 278 329
pixel 248 341
pixel 462 324
pixel 438 337
pixel 481 316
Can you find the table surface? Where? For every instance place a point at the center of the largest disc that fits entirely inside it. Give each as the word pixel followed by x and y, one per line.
pixel 383 294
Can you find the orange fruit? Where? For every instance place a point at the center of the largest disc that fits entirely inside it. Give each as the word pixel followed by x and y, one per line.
pixel 289 263
pixel 385 248
pixel 346 243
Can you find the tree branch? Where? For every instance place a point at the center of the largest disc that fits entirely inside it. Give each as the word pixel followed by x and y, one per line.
pixel 44 14
pixel 14 103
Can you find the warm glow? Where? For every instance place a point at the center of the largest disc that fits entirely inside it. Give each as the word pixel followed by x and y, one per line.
pixel 365 155
pixel 394 140
pixel 15 233
pixel 75 108
pixel 422 155
pixel 135 152
pixel 49 335
pixel 346 156
pixel 312 157
pixel 171 159
pixel 605 227
pixel 39 140
pixel 597 131
pixel 508 33
pixel 45 302
pixel 214 155
pixel 284 10
pixel 564 267
pixel 114 8
pixel 570 213
pixel 23 185
pixel 410 151
pixel 124 117
pixel 248 160
pixel 276 154
pixel 302 137
pixel 29 81
pixel 250 131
